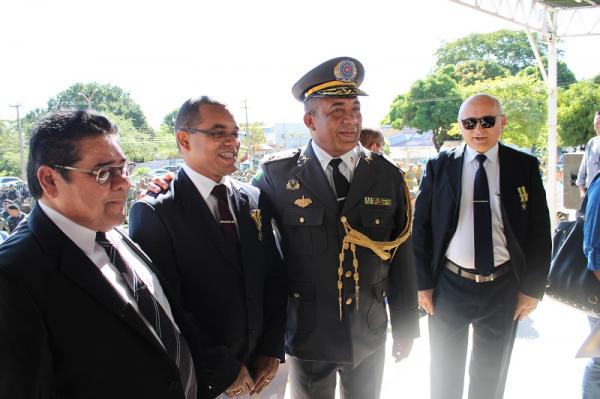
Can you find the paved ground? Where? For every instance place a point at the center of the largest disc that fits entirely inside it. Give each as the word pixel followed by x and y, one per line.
pixel 543 362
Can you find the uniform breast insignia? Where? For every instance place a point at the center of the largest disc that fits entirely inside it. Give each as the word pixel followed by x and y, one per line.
pixel 255 215
pixel 378 201
pixel 523 197
pixel 292 184
pixel 303 202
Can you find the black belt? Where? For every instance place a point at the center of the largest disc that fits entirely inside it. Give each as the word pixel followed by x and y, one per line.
pixel 478 278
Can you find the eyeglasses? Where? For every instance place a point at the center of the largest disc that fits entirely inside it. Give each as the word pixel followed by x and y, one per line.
pixel 105 173
pixel 486 122
pixel 217 136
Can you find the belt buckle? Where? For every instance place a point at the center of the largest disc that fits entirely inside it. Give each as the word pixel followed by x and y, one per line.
pixel 484 279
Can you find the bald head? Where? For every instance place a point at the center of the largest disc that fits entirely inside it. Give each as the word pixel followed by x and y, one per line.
pixel 480 98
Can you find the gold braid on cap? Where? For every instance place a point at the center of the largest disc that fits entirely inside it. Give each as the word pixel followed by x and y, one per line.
pixel 384 249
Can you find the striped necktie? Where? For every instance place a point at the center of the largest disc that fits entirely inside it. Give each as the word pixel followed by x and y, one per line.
pixel 172 340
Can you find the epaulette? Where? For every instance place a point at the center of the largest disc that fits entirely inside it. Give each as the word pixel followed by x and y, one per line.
pixel 390 160
pixel 281 155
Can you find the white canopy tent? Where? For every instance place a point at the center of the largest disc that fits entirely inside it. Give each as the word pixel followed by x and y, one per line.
pixel 553 19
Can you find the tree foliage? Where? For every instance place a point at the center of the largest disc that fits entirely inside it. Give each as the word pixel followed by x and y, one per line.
pixel 470 72
pixel 576 108
pixel 169 120
pixel 10 156
pixel 430 104
pixel 105 98
pixel 507 48
pixel 564 76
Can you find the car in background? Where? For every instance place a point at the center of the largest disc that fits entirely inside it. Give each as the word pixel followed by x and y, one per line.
pixel 159 172
pixel 6 181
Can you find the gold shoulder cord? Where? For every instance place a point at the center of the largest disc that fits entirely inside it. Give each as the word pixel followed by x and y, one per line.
pixel 384 249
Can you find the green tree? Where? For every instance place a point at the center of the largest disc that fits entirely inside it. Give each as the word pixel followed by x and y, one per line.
pixel 576 108
pixel 470 72
pixel 10 156
pixel 507 48
pixel 105 98
pixel 169 120
pixel 564 76
pixel 523 100
pixel 431 104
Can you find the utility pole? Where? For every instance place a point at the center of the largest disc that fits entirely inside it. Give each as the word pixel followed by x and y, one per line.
pixel 250 147
pixel 21 144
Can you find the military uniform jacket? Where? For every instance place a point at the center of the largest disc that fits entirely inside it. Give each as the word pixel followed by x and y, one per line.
pixel 311 239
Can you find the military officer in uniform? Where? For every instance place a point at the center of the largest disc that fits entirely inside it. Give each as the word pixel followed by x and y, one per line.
pixel 344 219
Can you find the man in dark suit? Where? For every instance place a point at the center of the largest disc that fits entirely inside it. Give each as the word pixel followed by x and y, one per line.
pixel 211 236
pixel 482 249
pixel 344 219
pixel 79 302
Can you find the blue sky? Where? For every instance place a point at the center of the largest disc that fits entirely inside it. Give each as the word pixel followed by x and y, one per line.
pixel 232 50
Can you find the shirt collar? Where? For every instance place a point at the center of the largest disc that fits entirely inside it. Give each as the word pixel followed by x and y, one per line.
pixel 83 237
pixel 350 158
pixel 203 184
pixel 491 154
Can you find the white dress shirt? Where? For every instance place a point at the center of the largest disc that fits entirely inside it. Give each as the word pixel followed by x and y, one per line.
pixel 461 250
pixel 346 167
pixel 85 239
pixel 204 185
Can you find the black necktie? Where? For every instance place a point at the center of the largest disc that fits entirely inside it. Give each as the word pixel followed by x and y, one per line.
pixel 339 181
pixel 172 340
pixel 482 220
pixel 225 217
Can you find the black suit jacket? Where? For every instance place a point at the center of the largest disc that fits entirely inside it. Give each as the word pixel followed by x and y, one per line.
pixel 240 308
pixel 526 224
pixel 64 330
pixel 311 238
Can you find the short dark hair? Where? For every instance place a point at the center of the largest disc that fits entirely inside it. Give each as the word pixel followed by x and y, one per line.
pixel 370 136
pixel 55 138
pixel 13 207
pixel 189 112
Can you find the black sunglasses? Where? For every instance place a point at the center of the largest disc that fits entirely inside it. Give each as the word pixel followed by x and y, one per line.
pixel 486 122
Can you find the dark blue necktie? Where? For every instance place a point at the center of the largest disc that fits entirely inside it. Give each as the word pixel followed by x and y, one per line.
pixel 340 182
pixel 482 215
pixel 171 338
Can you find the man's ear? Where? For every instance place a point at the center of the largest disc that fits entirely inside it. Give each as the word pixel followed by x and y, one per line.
pixel 309 121
pixel 503 120
pixel 47 178
pixel 183 139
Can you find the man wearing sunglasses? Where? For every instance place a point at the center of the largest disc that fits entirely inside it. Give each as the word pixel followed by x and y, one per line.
pixel 211 236
pixel 83 313
pixel 482 250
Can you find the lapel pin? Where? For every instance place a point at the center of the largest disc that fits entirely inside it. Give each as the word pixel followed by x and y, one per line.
pixel 255 215
pixel 523 196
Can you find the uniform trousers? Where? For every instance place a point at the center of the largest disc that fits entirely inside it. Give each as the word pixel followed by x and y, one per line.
pixel 489 308
pixel 317 380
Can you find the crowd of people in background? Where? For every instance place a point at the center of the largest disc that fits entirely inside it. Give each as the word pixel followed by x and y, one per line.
pixel 16 204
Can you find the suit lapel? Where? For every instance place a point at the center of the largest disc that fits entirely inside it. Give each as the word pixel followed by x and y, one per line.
pixel 506 176
pixel 202 223
pixel 455 170
pixel 311 175
pixel 365 176
pixel 77 267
